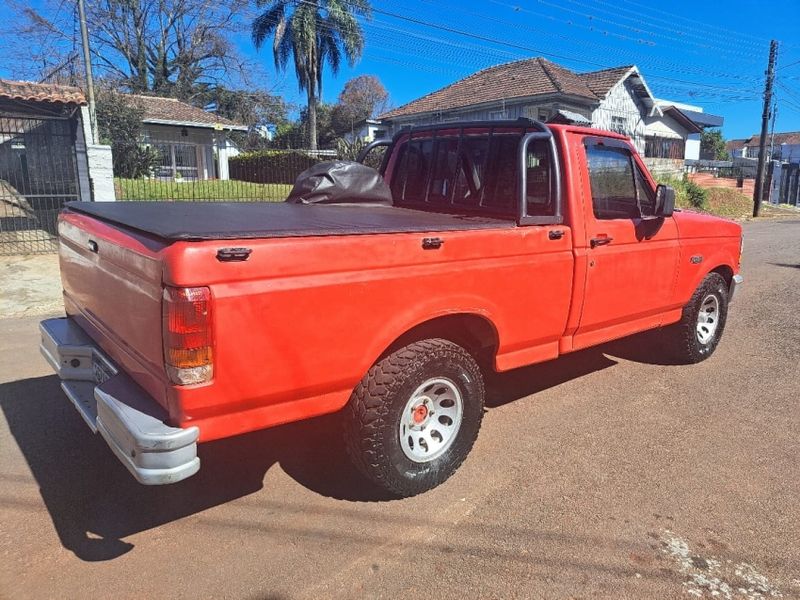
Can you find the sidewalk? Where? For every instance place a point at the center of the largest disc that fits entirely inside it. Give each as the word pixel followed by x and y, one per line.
pixel 29 285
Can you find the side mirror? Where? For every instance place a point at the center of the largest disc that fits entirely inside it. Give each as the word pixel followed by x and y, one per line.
pixel 665 200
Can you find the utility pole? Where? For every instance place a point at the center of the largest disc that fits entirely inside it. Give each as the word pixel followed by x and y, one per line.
pixel 87 62
pixel 772 129
pixel 762 149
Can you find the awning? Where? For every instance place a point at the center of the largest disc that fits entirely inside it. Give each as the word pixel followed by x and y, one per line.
pixel 703 119
pixel 573 117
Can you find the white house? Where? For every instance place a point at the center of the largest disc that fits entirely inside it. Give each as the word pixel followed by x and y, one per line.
pixel 193 143
pixel 367 130
pixel 785 146
pixel 616 99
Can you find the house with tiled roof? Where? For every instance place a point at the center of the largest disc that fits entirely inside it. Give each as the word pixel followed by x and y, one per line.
pixel 785 146
pixel 193 143
pixel 616 99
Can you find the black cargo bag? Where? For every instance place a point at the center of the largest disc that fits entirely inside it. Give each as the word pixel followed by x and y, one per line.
pixel 339 182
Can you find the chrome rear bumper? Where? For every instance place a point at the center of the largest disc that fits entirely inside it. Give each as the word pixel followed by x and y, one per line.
pixel 111 403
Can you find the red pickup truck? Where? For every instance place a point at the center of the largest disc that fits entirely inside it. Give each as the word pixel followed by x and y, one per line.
pixel 505 243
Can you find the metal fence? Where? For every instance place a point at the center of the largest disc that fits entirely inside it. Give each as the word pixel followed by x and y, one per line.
pixel 210 168
pixel 784 183
pixel 38 174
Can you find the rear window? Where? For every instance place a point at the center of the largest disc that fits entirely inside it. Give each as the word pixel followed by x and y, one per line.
pixel 474 172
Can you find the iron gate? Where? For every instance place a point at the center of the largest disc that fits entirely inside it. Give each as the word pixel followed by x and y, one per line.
pixel 38 174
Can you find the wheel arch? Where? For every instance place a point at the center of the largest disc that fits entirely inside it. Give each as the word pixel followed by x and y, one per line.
pixel 726 271
pixel 473 332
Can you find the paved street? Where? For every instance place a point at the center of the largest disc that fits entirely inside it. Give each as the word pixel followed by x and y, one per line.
pixel 603 474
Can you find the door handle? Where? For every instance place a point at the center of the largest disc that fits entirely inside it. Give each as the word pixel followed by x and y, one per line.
pixel 556 234
pixel 600 241
pixel 432 243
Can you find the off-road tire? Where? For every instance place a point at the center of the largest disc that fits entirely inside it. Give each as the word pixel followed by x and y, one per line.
pixel 372 417
pixel 681 339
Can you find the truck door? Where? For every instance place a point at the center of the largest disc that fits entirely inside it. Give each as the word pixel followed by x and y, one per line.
pixel 632 256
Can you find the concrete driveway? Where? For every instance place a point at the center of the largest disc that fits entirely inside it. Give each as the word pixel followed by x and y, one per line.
pixel 603 474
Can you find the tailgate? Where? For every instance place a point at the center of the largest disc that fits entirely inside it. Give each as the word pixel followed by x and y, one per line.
pixel 112 288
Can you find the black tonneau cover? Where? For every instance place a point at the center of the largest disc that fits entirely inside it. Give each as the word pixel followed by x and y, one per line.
pixel 248 220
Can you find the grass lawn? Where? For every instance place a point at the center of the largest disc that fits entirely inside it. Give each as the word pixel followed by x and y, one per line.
pixel 732 204
pixel 213 189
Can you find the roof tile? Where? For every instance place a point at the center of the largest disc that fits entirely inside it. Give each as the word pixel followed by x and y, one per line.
pixel 519 79
pixel 601 82
pixel 40 92
pixel 169 109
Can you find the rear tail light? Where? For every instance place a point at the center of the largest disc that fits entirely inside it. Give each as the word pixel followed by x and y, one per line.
pixel 188 335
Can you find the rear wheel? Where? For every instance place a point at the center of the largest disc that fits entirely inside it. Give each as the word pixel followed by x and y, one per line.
pixel 695 337
pixel 415 415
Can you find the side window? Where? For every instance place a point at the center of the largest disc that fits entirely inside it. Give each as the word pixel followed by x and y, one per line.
pixel 612 182
pixel 539 193
pixel 646 196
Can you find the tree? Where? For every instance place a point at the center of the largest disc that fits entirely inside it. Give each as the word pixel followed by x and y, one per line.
pixel 315 33
pixel 298 133
pixel 120 125
pixel 242 106
pixel 712 145
pixel 166 47
pixel 361 98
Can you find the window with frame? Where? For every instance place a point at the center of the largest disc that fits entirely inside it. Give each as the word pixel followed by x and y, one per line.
pixel 497 115
pixel 611 176
pixel 619 124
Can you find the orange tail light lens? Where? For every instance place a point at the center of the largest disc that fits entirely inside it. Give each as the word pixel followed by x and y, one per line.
pixel 188 335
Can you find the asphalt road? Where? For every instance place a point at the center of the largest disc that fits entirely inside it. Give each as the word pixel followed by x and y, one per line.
pixel 603 474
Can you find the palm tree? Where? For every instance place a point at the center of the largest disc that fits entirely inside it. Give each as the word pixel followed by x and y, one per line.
pixel 315 33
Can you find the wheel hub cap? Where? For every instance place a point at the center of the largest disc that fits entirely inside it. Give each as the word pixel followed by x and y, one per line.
pixel 431 419
pixel 420 413
pixel 708 319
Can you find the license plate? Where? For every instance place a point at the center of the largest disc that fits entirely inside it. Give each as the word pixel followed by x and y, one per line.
pixel 102 372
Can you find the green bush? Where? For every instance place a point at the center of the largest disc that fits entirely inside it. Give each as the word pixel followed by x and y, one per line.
pixel 687 193
pixel 270 166
pixel 696 195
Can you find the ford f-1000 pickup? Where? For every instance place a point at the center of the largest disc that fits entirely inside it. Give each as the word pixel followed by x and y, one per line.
pixel 491 245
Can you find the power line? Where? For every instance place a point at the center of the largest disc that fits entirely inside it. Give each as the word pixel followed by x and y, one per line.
pixel 706 45
pixel 526 48
pixel 702 24
pixel 727 39
pixel 637 57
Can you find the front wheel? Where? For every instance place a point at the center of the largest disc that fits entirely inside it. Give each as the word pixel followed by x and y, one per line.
pixel 695 337
pixel 415 415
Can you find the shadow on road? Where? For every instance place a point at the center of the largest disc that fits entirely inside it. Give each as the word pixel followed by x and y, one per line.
pixel 95 503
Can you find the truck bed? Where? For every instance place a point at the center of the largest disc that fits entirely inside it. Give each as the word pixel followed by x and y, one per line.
pixel 249 220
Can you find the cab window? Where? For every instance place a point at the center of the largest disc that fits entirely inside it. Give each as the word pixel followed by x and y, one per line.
pixel 611 176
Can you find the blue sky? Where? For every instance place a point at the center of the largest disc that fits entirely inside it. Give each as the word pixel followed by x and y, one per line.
pixel 709 54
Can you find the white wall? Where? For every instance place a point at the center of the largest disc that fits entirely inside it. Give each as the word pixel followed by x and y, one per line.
pixel 99 164
pixel 692 147
pixel 665 127
pixel 621 102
